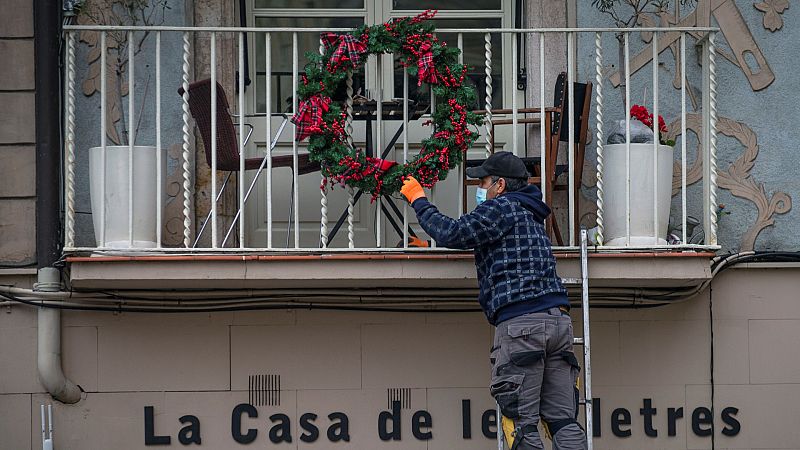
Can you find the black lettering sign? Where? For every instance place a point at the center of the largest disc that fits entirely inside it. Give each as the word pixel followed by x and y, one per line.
pixel 466 420
pixel 150 437
pixel 596 418
pixel 190 434
pixel 383 423
pixel 390 424
pixel 311 432
pixel 236 423
pixel 282 431
pixel 648 412
pixel 489 423
pixel 702 416
pixel 733 427
pixel 620 416
pixel 672 417
pixel 418 421
pixel 339 431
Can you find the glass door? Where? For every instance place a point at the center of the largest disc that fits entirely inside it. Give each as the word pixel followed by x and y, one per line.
pixel 350 14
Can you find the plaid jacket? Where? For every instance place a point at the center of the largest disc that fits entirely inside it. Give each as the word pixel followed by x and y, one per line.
pixel 513 253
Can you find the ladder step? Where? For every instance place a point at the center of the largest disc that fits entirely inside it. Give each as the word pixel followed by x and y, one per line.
pixel 577 341
pixel 571 281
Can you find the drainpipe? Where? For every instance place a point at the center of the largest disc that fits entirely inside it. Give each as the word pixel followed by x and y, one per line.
pixel 49 350
pixel 47 36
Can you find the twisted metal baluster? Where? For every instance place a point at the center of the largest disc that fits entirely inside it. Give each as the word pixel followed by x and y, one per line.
pixel 712 67
pixel 70 181
pixel 186 161
pixel 350 227
pixel 349 127
pixel 487 121
pixel 323 200
pixel 598 51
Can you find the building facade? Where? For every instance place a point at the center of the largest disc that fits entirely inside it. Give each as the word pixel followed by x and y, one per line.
pixel 280 338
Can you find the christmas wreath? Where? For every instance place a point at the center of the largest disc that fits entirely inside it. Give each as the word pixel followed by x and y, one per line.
pixel 323 121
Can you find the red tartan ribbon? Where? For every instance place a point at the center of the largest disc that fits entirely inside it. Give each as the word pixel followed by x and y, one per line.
pixel 381 165
pixel 308 118
pixel 348 48
pixel 427 70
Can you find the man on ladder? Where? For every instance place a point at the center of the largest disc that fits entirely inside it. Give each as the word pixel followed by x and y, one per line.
pixel 534 370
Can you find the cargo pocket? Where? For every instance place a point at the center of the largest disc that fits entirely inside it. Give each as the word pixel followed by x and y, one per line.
pixel 575 369
pixel 526 357
pixel 505 389
pixel 526 343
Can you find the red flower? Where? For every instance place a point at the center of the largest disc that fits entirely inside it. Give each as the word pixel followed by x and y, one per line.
pixel 642 114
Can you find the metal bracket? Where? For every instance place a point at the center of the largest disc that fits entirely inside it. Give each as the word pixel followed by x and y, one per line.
pixel 522 79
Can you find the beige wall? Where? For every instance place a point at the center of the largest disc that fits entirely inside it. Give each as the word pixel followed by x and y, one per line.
pixel 17 131
pixel 328 361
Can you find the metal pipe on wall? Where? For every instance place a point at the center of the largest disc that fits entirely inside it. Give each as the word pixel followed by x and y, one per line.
pixel 48 355
pixel 47 23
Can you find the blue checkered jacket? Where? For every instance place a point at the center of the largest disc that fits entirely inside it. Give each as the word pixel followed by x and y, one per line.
pixel 513 253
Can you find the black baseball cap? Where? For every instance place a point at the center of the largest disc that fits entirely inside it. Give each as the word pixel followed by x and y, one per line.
pixel 500 164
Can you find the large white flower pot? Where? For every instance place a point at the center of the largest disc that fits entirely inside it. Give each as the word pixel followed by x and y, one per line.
pixel 649 195
pixel 114 203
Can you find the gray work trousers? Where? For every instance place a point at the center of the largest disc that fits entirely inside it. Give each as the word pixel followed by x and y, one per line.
pixel 534 373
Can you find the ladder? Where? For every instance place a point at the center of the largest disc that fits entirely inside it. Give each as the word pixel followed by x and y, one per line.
pixel 586 399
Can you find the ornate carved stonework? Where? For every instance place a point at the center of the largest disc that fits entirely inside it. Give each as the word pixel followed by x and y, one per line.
pixel 737 178
pixel 772 10
pixel 736 32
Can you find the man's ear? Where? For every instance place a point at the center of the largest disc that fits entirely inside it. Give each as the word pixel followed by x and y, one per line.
pixel 501 186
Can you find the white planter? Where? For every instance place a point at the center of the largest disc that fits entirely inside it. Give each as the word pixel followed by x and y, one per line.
pixel 115 225
pixel 649 194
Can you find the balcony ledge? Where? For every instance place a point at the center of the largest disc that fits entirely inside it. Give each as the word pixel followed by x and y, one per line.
pixel 431 269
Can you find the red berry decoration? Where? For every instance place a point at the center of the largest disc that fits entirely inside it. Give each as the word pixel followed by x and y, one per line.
pixel 322 120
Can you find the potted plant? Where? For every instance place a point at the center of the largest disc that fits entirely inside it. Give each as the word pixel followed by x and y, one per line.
pixel 110 183
pixel 650 188
pixel 650 183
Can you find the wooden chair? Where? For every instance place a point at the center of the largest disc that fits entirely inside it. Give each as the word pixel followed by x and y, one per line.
pixel 556 127
pixel 228 156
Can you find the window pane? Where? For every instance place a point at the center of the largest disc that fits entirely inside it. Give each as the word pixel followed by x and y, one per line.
pixel 446 4
pixel 319 4
pixel 282 88
pixel 474 58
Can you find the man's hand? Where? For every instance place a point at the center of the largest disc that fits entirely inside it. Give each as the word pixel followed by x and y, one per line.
pixel 417 242
pixel 412 190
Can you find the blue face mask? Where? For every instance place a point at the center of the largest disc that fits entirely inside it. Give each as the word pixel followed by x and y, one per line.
pixel 480 194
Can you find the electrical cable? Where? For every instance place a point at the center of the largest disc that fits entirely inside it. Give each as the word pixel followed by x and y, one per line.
pixel 367 300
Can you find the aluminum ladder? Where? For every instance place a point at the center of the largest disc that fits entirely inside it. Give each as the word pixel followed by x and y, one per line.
pixel 586 398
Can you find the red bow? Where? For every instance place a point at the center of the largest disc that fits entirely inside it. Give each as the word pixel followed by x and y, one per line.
pixel 427 71
pixel 381 165
pixel 308 117
pixel 348 48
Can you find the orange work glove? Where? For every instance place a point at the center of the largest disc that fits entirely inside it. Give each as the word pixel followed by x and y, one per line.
pixel 417 242
pixel 412 190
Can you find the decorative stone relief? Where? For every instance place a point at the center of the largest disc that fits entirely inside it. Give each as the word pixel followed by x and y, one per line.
pixel 740 41
pixel 772 10
pixel 737 178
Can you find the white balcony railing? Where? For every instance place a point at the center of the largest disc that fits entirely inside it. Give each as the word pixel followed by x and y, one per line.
pixel 233 238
